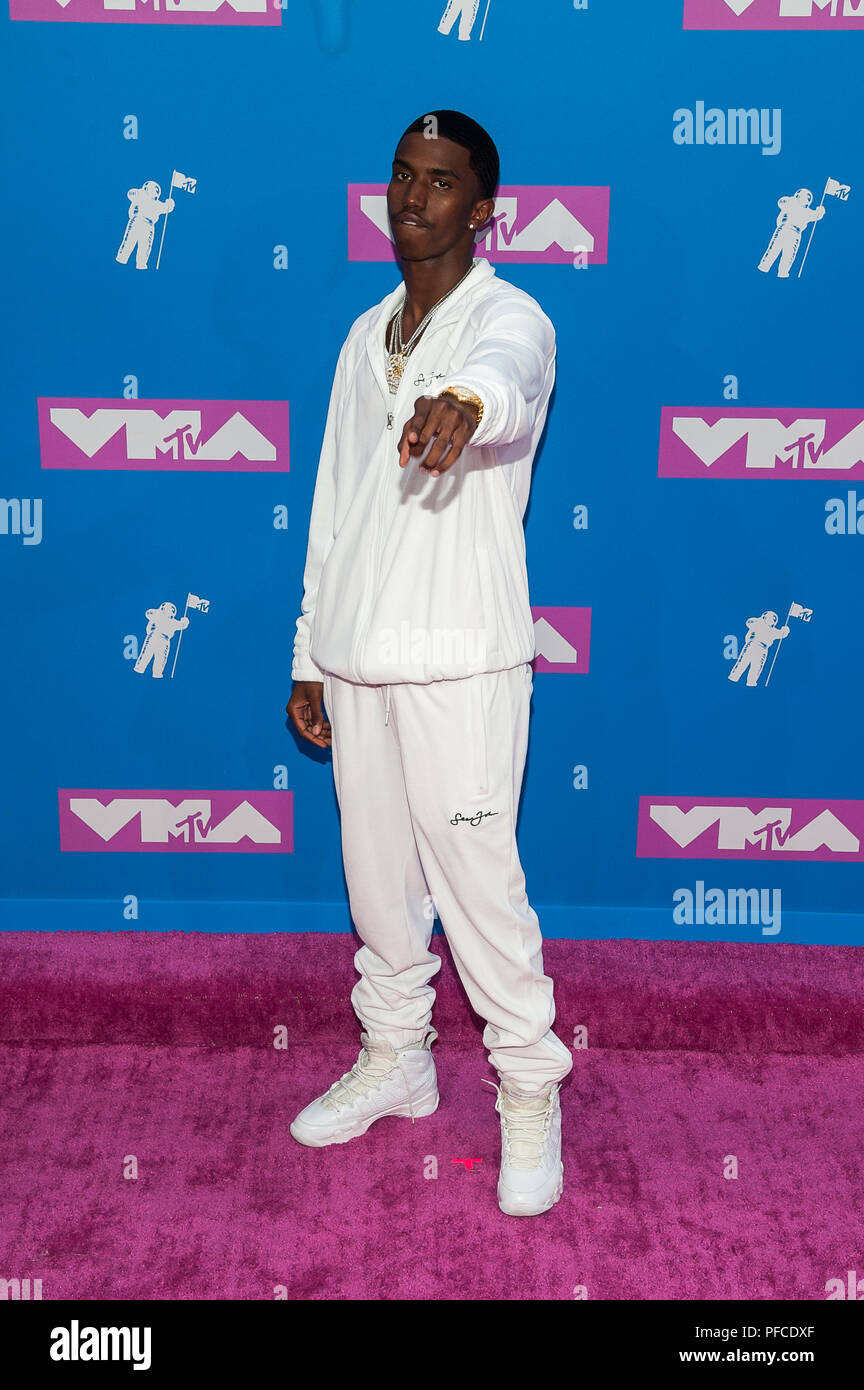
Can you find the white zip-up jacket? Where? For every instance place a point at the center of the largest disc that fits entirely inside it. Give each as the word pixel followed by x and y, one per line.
pixel 410 577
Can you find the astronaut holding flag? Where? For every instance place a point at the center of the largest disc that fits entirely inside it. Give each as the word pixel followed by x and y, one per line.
pixel 162 623
pixel 761 633
pixel 466 13
pixel 145 209
pixel 796 214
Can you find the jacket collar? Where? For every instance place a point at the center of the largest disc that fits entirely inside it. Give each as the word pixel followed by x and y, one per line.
pixel 450 312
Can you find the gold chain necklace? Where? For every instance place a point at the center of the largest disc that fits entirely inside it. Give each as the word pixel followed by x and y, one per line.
pixel 399 352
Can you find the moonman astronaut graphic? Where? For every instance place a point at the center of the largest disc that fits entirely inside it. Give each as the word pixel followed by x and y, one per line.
pixel 162 623
pixel 761 632
pixel 145 208
pixel 795 215
pixel 463 10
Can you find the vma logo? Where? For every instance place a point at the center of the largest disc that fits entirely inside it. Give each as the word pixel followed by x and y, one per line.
pixel 262 12
pixel 542 225
pixel 174 436
pixel 740 442
pixel 179 822
pixel 704 827
pixel 774 14
pixel 562 639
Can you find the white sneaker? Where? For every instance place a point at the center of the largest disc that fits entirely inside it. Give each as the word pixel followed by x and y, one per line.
pixel 531 1178
pixel 384 1080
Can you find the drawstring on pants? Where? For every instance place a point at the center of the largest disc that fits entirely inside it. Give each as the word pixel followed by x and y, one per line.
pixel 387 706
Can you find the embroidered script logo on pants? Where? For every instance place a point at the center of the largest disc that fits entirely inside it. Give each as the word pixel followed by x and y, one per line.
pixel 471 820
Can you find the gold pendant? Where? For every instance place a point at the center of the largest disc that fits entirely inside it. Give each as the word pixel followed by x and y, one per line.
pixel 395 364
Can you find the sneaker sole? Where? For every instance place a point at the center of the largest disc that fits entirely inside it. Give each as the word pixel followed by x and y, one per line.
pixel 523 1211
pixel 313 1139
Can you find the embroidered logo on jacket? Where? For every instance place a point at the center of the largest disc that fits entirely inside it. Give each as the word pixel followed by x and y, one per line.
pixel 471 820
pixel 426 378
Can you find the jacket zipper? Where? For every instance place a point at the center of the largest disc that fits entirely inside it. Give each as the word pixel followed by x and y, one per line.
pixel 362 626
pixel 362 632
pixel 360 635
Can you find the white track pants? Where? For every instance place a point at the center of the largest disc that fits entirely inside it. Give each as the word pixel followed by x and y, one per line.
pixel 428 780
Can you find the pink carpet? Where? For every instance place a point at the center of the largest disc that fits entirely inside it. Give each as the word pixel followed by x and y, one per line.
pixel 161 1047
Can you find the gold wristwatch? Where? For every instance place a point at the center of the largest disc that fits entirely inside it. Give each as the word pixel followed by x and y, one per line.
pixel 465 398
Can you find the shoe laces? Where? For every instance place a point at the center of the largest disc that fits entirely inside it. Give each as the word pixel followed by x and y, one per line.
pixel 376 1062
pixel 524 1132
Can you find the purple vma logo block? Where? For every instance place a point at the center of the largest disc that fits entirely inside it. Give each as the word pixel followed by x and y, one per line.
pixel 173 436
pixel 725 827
pixel 562 639
pixel 260 12
pixel 743 442
pixel 547 225
pixel 774 14
pixel 176 822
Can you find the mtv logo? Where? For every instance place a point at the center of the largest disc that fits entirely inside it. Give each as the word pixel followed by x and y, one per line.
pixel 227 822
pixel 547 225
pixel 773 14
pixel 702 827
pixel 761 442
pixel 562 640
pixel 256 12
pixel 165 435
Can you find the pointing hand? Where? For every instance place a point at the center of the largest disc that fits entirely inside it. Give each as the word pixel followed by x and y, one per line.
pixel 452 422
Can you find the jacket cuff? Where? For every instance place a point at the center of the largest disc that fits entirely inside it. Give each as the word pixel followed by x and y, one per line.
pixel 303 668
pixel 479 389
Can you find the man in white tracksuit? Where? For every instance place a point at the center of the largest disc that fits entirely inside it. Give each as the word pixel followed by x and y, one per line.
pixel 416 631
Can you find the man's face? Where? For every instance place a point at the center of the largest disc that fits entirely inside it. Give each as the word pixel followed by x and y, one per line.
pixel 432 196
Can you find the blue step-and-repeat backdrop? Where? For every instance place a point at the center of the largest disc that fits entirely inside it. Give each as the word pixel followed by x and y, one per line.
pixel 194 216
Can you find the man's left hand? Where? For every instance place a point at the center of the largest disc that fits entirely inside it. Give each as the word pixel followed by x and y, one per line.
pixel 454 425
